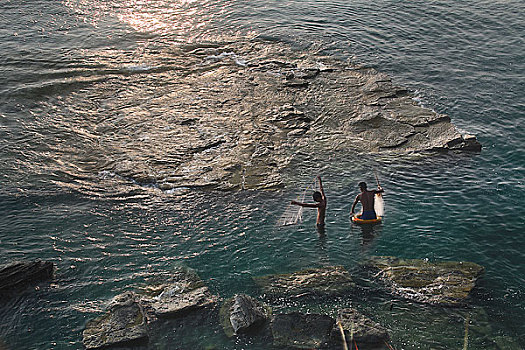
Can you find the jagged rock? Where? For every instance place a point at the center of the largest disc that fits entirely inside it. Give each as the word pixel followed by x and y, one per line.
pixel 215 120
pixel 301 331
pixel 130 313
pixel 444 283
pixel 182 293
pixel 363 330
pixel 173 302
pixel 468 143
pixel 242 314
pixel 124 323
pixel 325 281
pixel 19 274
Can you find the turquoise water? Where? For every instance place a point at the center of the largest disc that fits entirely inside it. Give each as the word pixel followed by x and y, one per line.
pixel 106 235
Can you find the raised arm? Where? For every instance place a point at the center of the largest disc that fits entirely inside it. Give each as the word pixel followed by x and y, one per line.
pixel 379 190
pixel 321 188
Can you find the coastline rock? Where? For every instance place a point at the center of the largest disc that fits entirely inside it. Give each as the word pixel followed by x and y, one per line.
pixel 123 324
pixel 182 293
pixel 301 331
pixel 19 274
pixel 363 330
pixel 242 314
pixel 173 302
pixel 326 281
pixel 223 111
pixel 446 283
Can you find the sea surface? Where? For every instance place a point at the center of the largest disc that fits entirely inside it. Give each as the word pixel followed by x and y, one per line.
pixel 85 87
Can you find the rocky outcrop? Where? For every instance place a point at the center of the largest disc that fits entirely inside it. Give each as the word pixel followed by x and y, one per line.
pixel 326 281
pixel 243 314
pixel 129 314
pixel 20 274
pixel 443 283
pixel 301 331
pixel 124 323
pixel 238 120
pixel 358 327
pixel 180 293
pixel 173 302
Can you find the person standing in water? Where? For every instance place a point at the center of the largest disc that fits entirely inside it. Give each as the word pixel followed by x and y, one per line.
pixel 367 201
pixel 320 203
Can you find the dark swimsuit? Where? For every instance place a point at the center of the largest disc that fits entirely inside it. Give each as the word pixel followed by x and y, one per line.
pixel 368 215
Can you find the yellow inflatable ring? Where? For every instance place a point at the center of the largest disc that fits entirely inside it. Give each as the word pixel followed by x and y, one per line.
pixel 357 220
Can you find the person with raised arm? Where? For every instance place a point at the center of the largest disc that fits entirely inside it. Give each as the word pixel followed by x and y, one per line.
pixel 320 203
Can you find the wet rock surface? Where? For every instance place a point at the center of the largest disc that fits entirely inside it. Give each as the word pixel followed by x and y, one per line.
pixel 130 314
pixel 358 327
pixel 123 324
pixel 242 314
pixel 19 274
pixel 234 115
pixel 445 283
pixel 301 331
pixel 172 302
pixel 324 282
pixel 181 292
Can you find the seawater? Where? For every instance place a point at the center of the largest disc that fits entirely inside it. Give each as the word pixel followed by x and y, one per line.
pixel 106 235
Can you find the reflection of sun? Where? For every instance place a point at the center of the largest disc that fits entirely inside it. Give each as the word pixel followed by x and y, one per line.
pixel 161 15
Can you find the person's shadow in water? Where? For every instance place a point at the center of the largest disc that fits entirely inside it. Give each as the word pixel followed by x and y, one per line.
pixel 321 246
pixel 369 232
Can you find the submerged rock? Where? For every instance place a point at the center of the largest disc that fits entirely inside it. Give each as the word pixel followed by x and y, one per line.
pixel 207 132
pixel 325 281
pixel 444 283
pixel 19 274
pixel 301 331
pixel 358 327
pixel 242 314
pixel 123 323
pixel 507 343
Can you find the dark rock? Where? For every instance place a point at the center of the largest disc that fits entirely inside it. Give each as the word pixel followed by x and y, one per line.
pixel 468 143
pixel 19 274
pixel 443 283
pixel 325 281
pixel 507 343
pixel 296 83
pixel 123 324
pixel 242 314
pixel 359 328
pixel 301 331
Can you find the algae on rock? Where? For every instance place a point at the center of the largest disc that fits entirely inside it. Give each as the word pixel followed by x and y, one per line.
pixel 359 327
pixel 326 281
pixel 123 323
pixel 301 331
pixel 447 283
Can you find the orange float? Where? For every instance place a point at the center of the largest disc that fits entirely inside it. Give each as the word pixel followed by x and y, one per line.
pixel 356 219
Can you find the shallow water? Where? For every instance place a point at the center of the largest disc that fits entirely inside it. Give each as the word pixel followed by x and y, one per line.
pixel 84 84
